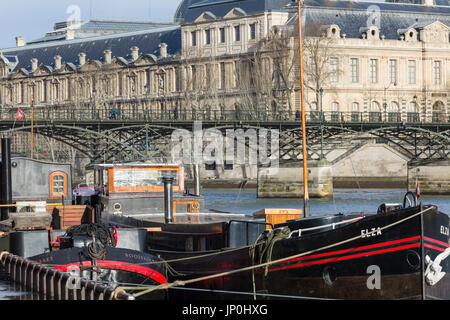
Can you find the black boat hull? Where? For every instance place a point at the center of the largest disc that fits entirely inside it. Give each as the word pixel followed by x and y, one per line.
pixel 118 267
pixel 386 259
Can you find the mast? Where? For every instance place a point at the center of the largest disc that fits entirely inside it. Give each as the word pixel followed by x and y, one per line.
pixel 302 101
pixel 32 124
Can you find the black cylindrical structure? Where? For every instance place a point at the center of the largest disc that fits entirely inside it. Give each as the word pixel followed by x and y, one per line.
pixel 168 198
pixel 196 179
pixel 6 189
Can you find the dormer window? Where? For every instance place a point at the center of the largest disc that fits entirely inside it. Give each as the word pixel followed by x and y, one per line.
pixel 373 33
pixel 332 31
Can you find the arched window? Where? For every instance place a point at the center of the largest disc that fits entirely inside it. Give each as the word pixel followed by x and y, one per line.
pixel 413 115
pixel 375 114
pixel 355 111
pixel 374 107
pixel 438 111
pixel 393 114
pixel 58 184
pixel 335 111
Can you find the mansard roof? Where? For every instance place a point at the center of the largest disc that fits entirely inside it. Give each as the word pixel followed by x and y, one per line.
pixel 353 16
pixel 147 41
pixel 189 10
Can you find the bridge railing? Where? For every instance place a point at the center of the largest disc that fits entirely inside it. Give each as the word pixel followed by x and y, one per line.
pixel 134 114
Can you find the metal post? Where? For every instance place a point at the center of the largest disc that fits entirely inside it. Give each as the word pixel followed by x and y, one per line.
pixel 168 199
pixel 196 179
pixel 6 177
pixel 302 103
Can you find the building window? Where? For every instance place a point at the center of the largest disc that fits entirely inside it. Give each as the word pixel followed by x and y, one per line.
pixel 354 70
pixel 194 38
pixel 208 36
pixel 237 33
pixel 58 183
pixel 355 112
pixel 194 77
pixel 222 35
pixel 333 70
pixel 237 68
pixel 373 70
pixel 178 79
pixel 411 72
pixel 222 75
pixel 253 31
pixel 437 72
pixel 393 71
pixel 334 112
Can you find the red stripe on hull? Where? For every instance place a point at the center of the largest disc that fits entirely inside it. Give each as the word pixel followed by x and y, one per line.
pixel 436 241
pixel 433 247
pixel 108 264
pixel 353 256
pixel 377 245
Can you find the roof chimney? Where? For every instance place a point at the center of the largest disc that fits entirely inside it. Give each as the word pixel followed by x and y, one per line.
pixel 134 53
pixel 108 56
pixel 82 58
pixel 20 41
pixel 70 34
pixel 57 62
pixel 163 50
pixel 34 64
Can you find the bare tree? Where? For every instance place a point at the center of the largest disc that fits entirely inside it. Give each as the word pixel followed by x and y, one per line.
pixel 317 49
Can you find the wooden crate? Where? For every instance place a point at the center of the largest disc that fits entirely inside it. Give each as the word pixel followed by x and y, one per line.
pixel 277 216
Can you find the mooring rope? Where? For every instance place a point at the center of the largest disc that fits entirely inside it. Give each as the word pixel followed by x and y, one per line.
pixel 177 283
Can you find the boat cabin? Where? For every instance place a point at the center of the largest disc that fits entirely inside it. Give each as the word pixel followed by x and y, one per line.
pixel 138 188
pixel 34 180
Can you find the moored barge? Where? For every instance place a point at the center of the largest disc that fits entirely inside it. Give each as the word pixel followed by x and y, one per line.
pixel 400 252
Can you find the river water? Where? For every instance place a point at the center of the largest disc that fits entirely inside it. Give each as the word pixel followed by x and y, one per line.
pixel 245 201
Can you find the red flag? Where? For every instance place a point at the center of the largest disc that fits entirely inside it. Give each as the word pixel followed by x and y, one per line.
pixel 20 114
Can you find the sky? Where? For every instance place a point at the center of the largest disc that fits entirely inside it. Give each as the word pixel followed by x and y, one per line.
pixel 33 18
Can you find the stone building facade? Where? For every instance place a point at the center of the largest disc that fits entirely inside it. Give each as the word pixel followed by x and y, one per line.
pixel 383 61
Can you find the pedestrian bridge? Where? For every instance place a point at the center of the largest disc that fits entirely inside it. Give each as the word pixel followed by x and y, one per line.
pixel 120 135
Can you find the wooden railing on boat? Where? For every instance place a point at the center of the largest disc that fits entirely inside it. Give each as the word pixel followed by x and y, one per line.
pixel 192 207
pixel 70 215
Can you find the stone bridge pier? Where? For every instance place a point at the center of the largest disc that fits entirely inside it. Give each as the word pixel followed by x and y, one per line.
pixel 433 178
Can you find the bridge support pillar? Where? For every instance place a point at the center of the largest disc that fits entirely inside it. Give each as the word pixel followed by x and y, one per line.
pixel 287 181
pixel 433 178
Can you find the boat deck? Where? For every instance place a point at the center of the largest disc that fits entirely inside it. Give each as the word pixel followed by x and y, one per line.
pixel 188 217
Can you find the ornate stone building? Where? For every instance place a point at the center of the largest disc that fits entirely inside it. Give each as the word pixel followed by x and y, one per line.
pixel 378 61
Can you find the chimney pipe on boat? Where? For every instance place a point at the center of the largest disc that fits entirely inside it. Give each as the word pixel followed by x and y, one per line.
pixel 196 179
pixel 168 199
pixel 6 190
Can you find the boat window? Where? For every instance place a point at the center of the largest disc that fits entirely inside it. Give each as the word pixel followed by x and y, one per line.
pixel 58 182
pixel 142 178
